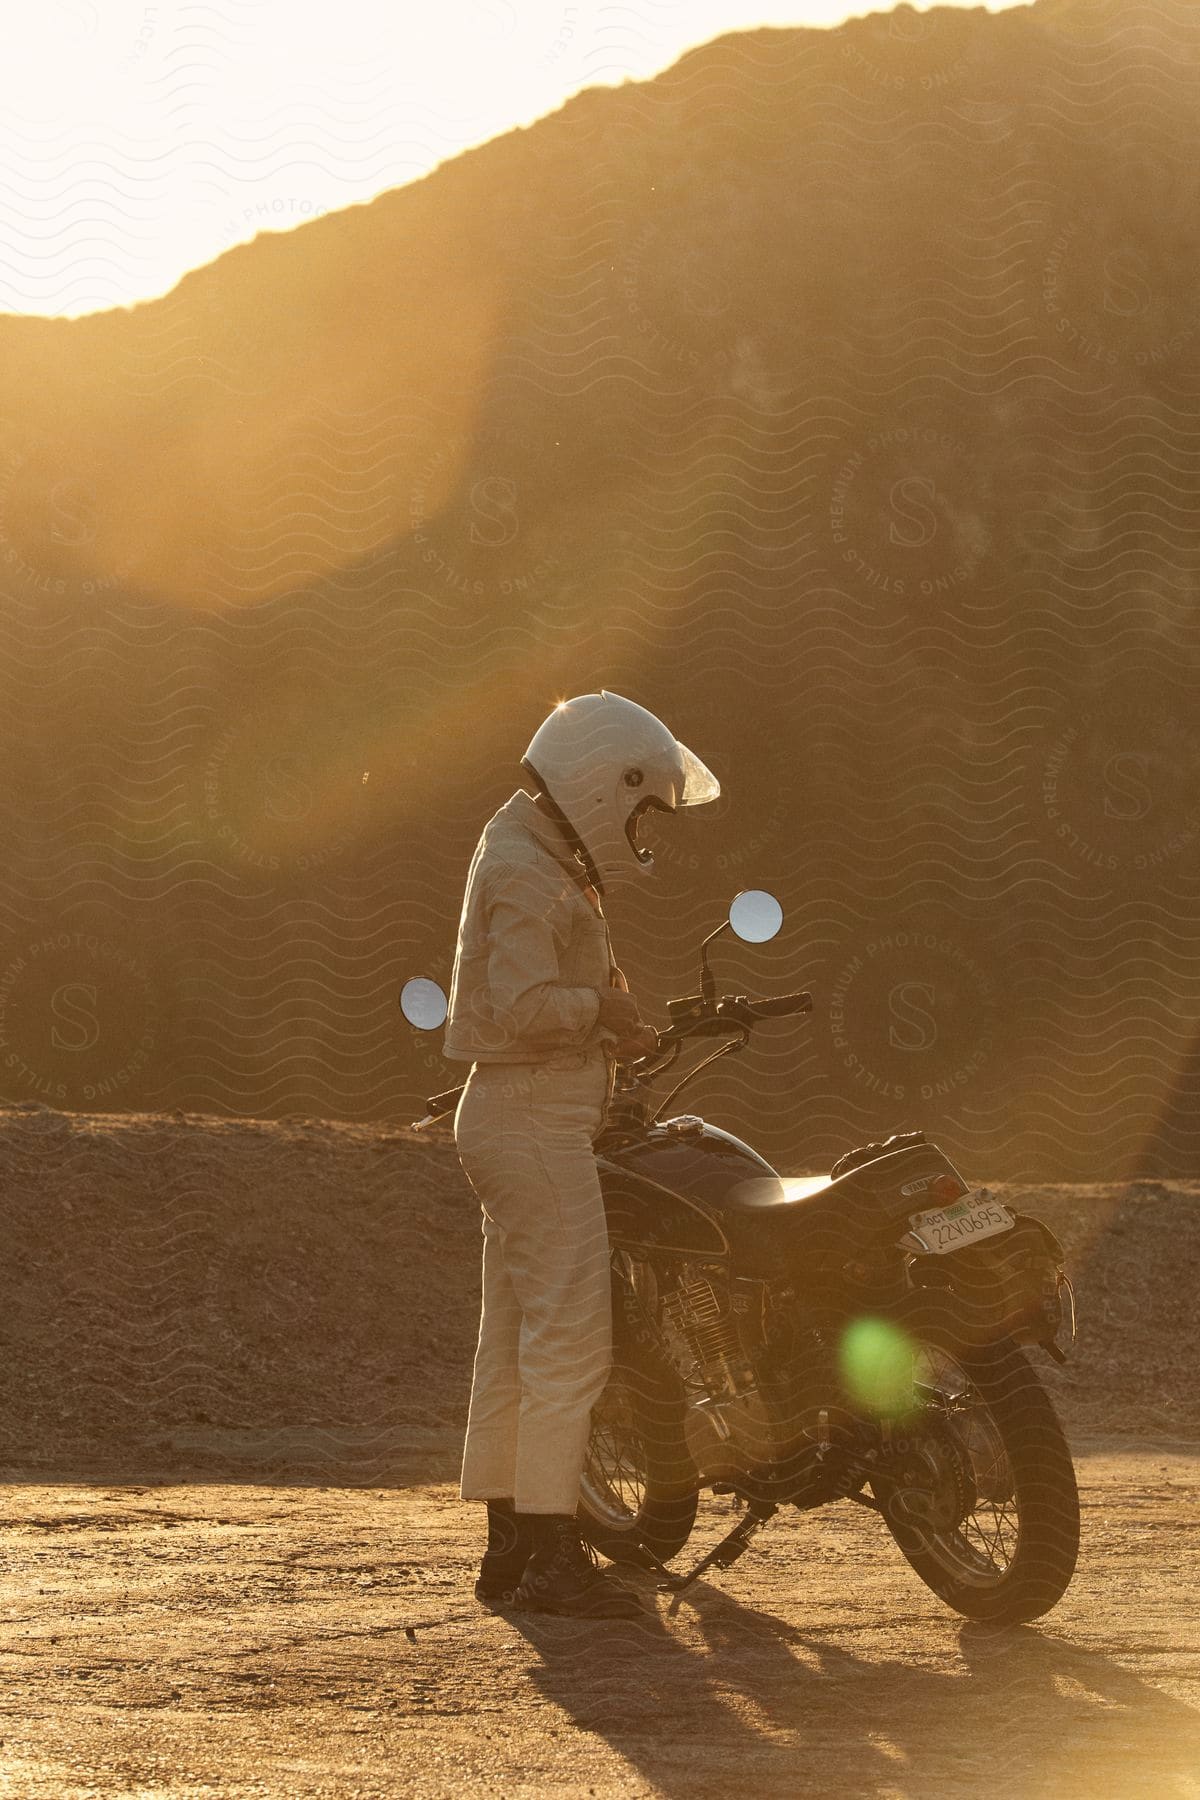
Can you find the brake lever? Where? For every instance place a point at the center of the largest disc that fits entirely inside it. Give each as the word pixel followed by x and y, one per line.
pixel 697 1017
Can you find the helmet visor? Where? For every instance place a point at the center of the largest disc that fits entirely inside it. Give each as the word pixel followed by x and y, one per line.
pixel 699 783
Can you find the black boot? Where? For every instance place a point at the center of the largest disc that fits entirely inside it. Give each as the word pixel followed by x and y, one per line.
pixel 510 1542
pixel 563 1576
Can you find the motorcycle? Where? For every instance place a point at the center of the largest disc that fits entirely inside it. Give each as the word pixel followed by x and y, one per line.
pixel 856 1337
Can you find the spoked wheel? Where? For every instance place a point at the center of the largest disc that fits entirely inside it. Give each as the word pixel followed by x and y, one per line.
pixel 616 1477
pixel 639 1486
pixel 980 1491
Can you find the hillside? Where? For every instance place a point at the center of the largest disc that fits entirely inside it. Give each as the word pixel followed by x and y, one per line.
pixel 833 394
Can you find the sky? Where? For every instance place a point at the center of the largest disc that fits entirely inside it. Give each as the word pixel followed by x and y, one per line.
pixel 141 140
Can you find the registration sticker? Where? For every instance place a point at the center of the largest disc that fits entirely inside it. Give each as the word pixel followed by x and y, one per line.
pixel 948 1228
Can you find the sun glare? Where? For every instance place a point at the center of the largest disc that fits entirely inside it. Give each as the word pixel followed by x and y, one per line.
pixel 146 139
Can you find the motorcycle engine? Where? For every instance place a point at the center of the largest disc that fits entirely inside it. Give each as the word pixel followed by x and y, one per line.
pixel 743 1426
pixel 702 1335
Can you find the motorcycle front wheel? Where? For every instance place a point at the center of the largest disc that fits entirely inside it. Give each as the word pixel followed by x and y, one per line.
pixel 639 1488
pixel 980 1493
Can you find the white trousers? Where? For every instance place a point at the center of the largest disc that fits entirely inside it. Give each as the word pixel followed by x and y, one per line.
pixel 524 1134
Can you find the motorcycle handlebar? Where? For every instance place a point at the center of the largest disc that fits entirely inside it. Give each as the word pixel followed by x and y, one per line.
pixel 742 1010
pixel 695 1019
pixel 732 1010
pixel 778 1008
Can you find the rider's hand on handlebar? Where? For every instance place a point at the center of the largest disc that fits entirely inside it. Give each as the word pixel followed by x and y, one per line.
pixel 642 1042
pixel 619 1012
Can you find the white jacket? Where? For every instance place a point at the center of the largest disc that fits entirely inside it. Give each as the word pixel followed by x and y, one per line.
pixel 533 953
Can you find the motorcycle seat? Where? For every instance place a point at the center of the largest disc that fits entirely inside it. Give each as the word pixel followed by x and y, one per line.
pixel 799 1188
pixel 781 1193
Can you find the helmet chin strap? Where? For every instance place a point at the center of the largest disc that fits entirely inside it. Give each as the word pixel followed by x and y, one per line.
pixel 560 818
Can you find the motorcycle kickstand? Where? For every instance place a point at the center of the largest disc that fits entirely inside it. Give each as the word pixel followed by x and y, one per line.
pixel 734 1544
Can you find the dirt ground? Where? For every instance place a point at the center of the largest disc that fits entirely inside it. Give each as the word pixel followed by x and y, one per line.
pixel 235 1360
pixel 250 1640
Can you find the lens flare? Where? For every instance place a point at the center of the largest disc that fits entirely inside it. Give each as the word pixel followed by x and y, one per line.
pixel 876 1361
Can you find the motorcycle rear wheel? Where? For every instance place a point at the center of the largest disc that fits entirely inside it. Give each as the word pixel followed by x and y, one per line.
pixel 988 1515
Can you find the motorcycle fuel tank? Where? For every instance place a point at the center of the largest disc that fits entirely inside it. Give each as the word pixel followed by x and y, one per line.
pixel 669 1189
pixel 704 1192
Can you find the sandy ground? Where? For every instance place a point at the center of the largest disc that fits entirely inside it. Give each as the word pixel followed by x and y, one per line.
pixel 248 1640
pixel 234 1359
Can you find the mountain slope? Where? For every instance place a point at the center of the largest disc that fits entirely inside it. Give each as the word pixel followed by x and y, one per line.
pixel 833 394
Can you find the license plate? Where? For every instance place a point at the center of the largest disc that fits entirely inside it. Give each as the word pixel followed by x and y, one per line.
pixel 973 1217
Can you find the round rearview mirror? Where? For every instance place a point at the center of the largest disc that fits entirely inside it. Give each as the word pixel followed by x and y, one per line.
pixel 423 1003
pixel 755 915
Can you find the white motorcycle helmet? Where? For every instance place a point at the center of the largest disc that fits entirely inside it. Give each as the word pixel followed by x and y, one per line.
pixel 602 761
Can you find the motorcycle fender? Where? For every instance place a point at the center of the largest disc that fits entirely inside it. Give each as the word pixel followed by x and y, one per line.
pixel 1008 1286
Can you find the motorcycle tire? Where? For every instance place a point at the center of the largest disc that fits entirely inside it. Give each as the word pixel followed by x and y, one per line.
pixel 1012 1555
pixel 640 1487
